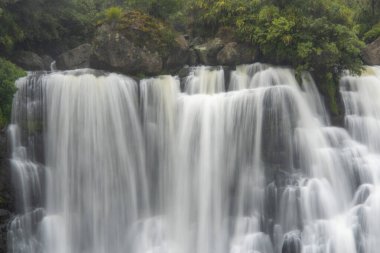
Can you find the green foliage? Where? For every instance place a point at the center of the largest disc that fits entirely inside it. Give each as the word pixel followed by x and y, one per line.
pixel 163 9
pixel 8 75
pixel 373 33
pixel 317 35
pixel 47 26
pixel 113 15
pixel 330 89
pixel 367 16
pixel 10 31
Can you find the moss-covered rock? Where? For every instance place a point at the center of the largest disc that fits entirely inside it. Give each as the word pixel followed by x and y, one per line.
pixel 8 75
pixel 6 193
pixel 113 51
pixel 135 43
pixel 75 58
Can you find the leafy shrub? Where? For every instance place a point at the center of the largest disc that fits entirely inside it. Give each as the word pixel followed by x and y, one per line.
pixel 8 75
pixel 113 14
pixel 162 9
pixel 318 35
pixel 372 34
pixel 10 31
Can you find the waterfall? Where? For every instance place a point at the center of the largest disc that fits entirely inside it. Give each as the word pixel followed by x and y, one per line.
pixel 103 164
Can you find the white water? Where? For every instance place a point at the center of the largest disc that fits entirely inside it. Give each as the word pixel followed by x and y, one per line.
pixel 103 164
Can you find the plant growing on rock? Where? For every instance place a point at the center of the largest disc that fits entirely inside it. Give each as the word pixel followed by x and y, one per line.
pixel 318 36
pixel 142 28
pixel 8 75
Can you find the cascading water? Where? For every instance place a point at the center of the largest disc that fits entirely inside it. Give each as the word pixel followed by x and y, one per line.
pixel 103 164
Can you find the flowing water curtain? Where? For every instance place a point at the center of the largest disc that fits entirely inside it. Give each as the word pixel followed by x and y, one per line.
pixel 95 174
pixel 206 80
pixel 26 135
pixel 154 169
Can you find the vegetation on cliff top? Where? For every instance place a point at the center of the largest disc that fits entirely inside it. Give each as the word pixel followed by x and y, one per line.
pixel 322 36
pixel 316 35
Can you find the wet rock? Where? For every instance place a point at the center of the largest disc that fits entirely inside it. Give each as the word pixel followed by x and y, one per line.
pixel 292 243
pixel 234 53
pixel 75 58
pixel 28 60
pixel 193 58
pixel 180 55
pixel 6 193
pixel 371 53
pixel 184 72
pixel 207 52
pixel 47 61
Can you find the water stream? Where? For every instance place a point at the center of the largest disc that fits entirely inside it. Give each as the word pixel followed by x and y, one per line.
pixel 104 164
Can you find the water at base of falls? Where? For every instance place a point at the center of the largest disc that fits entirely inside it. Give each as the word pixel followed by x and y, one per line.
pixel 103 164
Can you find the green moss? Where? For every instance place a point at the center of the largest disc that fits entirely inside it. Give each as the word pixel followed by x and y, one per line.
pixel 2 200
pixel 329 88
pixel 34 126
pixel 317 36
pixel 143 29
pixel 331 92
pixel 8 75
pixel 373 33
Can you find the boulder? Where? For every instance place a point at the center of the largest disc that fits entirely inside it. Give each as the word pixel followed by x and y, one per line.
pixel 28 60
pixel 235 54
pixel 78 57
pixel 292 242
pixel 193 58
pixel 226 34
pixel 207 52
pixel 180 55
pixel 113 51
pixel 47 61
pixel 371 53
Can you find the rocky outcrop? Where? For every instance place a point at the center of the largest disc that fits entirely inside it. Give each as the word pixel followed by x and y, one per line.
pixel 112 51
pixel 139 48
pixel 32 61
pixel 234 53
pixel 207 52
pixel 224 52
pixel 6 196
pixel 371 53
pixel 47 61
pixel 181 55
pixel 78 57
pixel 28 60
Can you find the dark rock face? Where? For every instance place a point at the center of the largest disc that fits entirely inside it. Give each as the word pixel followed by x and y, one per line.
pixel 28 60
pixel 78 57
pixel 180 55
pixel 224 52
pixel 292 243
pixel 47 61
pixel 207 52
pixel 371 53
pixel 234 54
pixel 6 194
pixel 114 52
